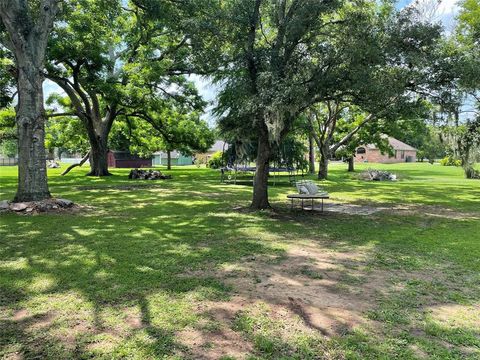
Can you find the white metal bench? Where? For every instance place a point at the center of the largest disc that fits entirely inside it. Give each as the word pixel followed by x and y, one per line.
pixel 308 190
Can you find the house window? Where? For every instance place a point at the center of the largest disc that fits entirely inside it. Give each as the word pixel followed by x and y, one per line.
pixel 402 154
pixel 361 150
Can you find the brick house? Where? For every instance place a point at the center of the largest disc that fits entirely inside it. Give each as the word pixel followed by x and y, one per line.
pixel 371 153
pixel 219 145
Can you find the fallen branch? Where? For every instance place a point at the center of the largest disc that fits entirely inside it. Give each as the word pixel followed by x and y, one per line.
pixel 67 170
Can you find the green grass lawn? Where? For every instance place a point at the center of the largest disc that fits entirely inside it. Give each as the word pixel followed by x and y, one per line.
pixel 179 269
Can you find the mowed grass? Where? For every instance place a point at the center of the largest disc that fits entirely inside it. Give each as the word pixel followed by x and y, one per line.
pixel 124 277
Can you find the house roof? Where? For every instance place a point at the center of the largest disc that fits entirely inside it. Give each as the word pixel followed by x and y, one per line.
pixel 395 144
pixel 173 154
pixel 218 146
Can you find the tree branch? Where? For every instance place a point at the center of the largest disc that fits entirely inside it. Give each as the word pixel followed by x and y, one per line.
pixel 250 51
pixel 67 170
pixel 67 87
pixel 48 12
pixel 347 137
pixel 61 114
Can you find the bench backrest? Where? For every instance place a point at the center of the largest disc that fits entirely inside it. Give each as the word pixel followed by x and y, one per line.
pixel 307 187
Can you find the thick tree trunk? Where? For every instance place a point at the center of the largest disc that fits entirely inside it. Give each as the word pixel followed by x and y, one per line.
pixel 323 164
pixel 311 155
pixel 323 169
pixel 27 37
pixel 97 127
pixel 98 156
pixel 260 186
pixel 169 160
pixel 32 167
pixel 351 164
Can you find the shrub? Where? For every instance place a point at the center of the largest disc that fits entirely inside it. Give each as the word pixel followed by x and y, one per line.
pixel 216 161
pixel 450 161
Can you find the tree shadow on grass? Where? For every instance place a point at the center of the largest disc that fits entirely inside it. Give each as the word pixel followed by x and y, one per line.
pixel 357 306
pixel 109 266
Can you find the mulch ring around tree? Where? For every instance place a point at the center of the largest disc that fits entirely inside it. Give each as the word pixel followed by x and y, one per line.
pixel 42 206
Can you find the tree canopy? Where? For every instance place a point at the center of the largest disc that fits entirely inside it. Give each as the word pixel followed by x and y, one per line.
pixel 353 70
pixel 117 59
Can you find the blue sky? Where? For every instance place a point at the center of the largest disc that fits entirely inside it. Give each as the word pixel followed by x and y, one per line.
pixel 446 13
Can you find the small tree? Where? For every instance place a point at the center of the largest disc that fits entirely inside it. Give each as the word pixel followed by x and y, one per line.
pixel 170 126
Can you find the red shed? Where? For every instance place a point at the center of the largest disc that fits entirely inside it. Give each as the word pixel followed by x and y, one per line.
pixel 124 159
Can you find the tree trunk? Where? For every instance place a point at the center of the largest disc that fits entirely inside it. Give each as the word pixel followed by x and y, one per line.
pixel 469 172
pixel 32 167
pixel 26 37
pixel 351 164
pixel 311 155
pixel 169 160
pixel 323 164
pixel 260 186
pixel 98 156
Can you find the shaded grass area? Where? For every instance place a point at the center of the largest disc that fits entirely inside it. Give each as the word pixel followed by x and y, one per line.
pixel 123 277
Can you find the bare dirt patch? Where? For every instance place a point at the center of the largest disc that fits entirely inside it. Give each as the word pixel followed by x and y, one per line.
pixel 432 211
pixel 214 337
pixel 400 209
pixel 307 283
pixel 311 290
pixel 305 289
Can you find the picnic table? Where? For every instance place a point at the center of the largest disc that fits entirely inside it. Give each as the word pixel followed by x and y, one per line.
pixel 311 197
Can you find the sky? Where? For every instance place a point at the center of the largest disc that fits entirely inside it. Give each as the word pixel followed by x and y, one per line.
pixel 447 10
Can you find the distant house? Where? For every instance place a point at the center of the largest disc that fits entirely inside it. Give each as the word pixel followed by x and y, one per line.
pixel 71 157
pixel 219 145
pixel 371 153
pixel 124 159
pixel 161 158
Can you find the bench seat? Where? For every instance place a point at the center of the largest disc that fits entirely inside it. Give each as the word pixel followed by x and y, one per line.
pixel 308 196
pixel 312 197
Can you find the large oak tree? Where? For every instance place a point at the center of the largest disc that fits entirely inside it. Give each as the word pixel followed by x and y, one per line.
pixel 282 57
pixel 24 33
pixel 114 58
